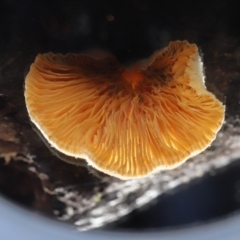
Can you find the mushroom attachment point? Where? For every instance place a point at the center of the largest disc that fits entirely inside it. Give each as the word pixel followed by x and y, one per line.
pixel 126 122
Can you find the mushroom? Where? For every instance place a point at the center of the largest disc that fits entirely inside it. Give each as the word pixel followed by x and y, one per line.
pixel 126 122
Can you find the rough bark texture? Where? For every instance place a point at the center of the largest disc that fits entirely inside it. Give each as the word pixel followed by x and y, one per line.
pixel 31 174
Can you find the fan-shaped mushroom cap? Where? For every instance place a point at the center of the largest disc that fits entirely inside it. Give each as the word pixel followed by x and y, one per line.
pixel 130 122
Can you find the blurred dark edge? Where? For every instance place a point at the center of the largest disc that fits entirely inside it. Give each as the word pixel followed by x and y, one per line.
pixel 13 227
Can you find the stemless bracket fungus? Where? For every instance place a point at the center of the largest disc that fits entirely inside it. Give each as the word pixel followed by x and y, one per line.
pixel 127 123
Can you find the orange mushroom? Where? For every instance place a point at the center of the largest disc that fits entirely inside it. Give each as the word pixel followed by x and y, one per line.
pixel 130 122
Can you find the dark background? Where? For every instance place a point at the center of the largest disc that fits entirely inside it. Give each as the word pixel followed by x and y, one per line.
pixel 133 30
pixel 129 29
pixel 214 196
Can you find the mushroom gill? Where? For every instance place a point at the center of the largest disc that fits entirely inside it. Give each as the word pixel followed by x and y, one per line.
pixel 129 122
